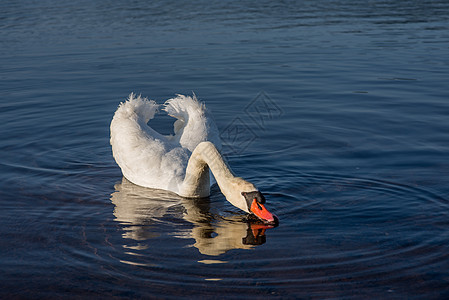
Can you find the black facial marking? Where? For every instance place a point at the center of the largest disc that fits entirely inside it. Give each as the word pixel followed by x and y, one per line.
pixel 250 196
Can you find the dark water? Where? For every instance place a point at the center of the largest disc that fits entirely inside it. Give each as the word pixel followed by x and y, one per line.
pixel 337 110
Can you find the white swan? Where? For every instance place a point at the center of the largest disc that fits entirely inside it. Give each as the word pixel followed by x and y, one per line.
pixel 179 163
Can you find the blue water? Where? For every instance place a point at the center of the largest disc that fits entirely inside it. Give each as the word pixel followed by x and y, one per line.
pixel 337 110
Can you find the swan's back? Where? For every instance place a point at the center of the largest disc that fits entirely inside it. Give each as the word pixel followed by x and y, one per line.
pixel 194 125
pixel 150 159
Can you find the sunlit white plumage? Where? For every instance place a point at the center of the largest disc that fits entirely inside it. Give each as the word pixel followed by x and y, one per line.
pixel 181 162
pixel 150 159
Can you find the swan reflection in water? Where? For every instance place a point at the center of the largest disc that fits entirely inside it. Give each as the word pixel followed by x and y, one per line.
pixel 140 210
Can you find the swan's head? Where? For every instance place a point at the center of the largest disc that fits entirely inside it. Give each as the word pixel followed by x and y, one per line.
pixel 244 195
pixel 255 202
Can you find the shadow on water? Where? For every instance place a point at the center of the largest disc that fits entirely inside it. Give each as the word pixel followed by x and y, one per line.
pixel 143 211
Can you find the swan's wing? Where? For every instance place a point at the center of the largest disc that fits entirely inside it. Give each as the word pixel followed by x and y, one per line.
pixel 194 123
pixel 145 157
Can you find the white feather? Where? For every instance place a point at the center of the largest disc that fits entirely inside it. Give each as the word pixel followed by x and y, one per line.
pixel 150 159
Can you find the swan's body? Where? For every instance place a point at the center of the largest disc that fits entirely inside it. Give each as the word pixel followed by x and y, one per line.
pixel 179 163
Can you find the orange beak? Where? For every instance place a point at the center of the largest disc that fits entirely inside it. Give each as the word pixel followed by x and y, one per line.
pixel 261 212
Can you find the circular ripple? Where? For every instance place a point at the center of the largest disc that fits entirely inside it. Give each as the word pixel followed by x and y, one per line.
pixel 361 234
pixel 338 236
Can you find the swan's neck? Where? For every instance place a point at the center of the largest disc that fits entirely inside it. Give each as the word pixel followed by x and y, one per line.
pixel 197 183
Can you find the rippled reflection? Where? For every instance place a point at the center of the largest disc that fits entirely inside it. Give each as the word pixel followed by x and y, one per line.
pixel 141 211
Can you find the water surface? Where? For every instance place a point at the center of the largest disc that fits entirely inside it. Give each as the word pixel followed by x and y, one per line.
pixel 337 110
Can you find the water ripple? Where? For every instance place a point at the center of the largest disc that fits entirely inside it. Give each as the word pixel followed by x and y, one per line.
pixel 348 232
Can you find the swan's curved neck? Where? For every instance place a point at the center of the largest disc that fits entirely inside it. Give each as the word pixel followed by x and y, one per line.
pixel 197 182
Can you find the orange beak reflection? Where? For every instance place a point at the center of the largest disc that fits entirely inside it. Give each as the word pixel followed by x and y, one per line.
pixel 262 213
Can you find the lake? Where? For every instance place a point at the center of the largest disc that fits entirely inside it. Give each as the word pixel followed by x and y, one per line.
pixel 337 110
